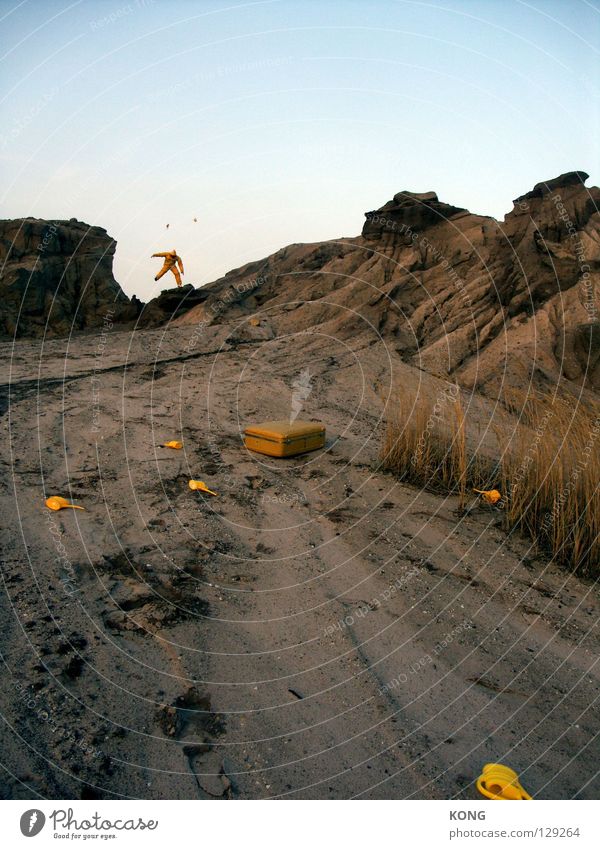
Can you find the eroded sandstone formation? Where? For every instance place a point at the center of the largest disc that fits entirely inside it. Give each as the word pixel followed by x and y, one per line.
pixel 169 304
pixel 457 294
pixel 56 278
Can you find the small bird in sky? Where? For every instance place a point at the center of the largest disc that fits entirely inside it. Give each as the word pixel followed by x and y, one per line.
pixel 195 219
pixel 167 226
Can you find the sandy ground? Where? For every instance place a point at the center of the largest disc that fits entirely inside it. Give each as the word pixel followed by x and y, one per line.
pixel 318 630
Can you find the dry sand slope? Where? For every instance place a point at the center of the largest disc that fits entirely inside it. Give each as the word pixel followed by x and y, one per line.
pixel 318 630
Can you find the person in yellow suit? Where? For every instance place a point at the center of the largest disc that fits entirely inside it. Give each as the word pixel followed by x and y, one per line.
pixel 170 264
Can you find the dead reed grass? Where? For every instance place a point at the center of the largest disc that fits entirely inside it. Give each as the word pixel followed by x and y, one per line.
pixel 542 453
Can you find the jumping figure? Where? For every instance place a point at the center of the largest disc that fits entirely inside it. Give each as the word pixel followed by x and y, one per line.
pixel 170 263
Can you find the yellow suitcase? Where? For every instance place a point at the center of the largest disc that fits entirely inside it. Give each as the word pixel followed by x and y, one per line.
pixel 284 438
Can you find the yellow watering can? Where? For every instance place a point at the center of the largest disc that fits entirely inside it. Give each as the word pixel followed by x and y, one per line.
pixel 172 444
pixel 500 782
pixel 490 496
pixel 200 485
pixel 56 502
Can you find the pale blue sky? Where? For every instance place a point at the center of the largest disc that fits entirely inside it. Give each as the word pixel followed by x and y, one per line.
pixel 276 122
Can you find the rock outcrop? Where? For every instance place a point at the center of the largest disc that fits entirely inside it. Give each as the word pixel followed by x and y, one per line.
pixel 56 278
pixel 170 304
pixel 409 209
pixel 456 294
pixel 487 303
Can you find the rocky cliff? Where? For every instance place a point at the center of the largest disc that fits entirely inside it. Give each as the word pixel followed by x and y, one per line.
pixel 170 304
pixel 56 278
pixel 457 294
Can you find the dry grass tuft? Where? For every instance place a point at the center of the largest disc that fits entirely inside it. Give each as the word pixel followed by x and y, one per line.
pixel 544 458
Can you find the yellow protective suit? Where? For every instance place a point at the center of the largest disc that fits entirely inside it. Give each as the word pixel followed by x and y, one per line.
pixel 170 263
